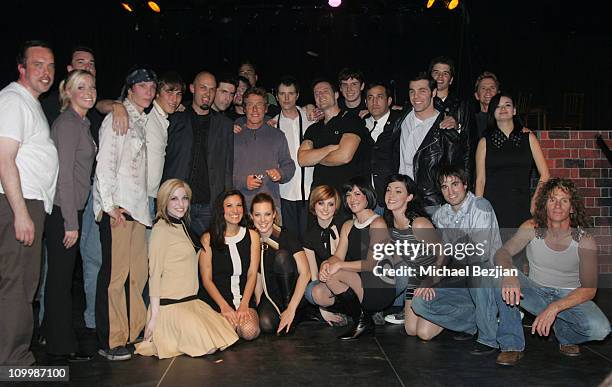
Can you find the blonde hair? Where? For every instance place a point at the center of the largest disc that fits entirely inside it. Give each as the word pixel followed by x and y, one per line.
pixel 163 198
pixel 68 84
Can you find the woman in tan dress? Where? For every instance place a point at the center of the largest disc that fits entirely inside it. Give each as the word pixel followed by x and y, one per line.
pixel 178 322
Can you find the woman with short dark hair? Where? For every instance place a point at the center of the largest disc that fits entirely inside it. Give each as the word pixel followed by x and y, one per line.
pixel 350 274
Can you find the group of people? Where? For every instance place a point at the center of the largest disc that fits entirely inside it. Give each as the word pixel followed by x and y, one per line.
pixel 245 213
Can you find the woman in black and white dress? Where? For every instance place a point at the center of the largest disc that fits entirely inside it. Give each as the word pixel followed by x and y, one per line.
pixel 229 264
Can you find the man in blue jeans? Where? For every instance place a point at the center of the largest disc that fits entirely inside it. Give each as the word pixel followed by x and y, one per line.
pixel 464 304
pixel 562 275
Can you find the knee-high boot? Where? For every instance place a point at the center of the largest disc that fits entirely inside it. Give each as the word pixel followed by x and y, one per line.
pixel 362 321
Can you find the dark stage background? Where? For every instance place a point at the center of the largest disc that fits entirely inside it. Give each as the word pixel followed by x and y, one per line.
pixel 540 47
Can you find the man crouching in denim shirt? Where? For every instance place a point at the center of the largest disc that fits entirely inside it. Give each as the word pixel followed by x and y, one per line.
pixel 465 303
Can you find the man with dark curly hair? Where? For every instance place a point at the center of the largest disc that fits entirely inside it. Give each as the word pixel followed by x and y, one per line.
pixel 562 277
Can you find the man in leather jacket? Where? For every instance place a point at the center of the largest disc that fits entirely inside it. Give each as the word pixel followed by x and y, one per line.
pixel 428 140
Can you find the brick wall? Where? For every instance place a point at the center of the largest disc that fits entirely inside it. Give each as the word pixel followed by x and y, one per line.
pixel 574 154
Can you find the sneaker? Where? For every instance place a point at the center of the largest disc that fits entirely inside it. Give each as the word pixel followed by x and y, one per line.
pixel 395 318
pixel 115 354
pixel 378 318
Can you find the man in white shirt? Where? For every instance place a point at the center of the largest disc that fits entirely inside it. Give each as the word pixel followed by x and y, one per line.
pixel 170 89
pixel 293 121
pixel 427 141
pixel 28 175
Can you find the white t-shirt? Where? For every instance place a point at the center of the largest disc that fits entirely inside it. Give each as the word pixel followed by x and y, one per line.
pixel 291 190
pixel 22 119
pixel 413 133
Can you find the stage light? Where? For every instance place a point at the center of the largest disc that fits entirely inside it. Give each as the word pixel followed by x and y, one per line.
pixel 334 3
pixel 452 4
pixel 430 3
pixel 127 7
pixel 154 7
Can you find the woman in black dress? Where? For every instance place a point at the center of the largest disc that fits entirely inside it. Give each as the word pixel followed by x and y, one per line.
pixel 349 273
pixel 284 269
pixel 320 242
pixel 229 263
pixel 504 159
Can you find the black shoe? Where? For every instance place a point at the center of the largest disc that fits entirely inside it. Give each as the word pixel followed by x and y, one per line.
pixel 362 322
pixel 481 349
pixel 75 357
pixel 78 357
pixel 41 340
pixel 462 336
pixel 307 312
pixel 364 326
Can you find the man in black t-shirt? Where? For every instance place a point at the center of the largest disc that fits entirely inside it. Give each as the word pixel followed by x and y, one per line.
pixel 338 146
pixel 351 85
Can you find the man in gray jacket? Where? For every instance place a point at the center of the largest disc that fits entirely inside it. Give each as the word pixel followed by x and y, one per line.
pixel 261 154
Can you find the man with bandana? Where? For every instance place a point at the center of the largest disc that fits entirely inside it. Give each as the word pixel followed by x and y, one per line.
pixel 121 207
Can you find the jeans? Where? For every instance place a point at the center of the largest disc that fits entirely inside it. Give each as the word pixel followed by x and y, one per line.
pixel 401 284
pixel 463 309
pixel 579 324
pixel 91 253
pixel 200 218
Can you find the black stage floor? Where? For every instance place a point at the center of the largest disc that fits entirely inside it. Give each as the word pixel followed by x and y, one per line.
pixel 314 357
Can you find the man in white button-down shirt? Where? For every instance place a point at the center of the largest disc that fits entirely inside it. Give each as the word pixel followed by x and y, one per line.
pixel 170 89
pixel 293 121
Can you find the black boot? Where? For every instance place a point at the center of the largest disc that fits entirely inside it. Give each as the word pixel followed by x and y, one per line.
pixel 308 312
pixel 285 275
pixel 286 285
pixel 362 321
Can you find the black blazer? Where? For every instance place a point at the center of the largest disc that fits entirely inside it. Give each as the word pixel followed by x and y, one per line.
pixel 384 160
pixel 220 157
